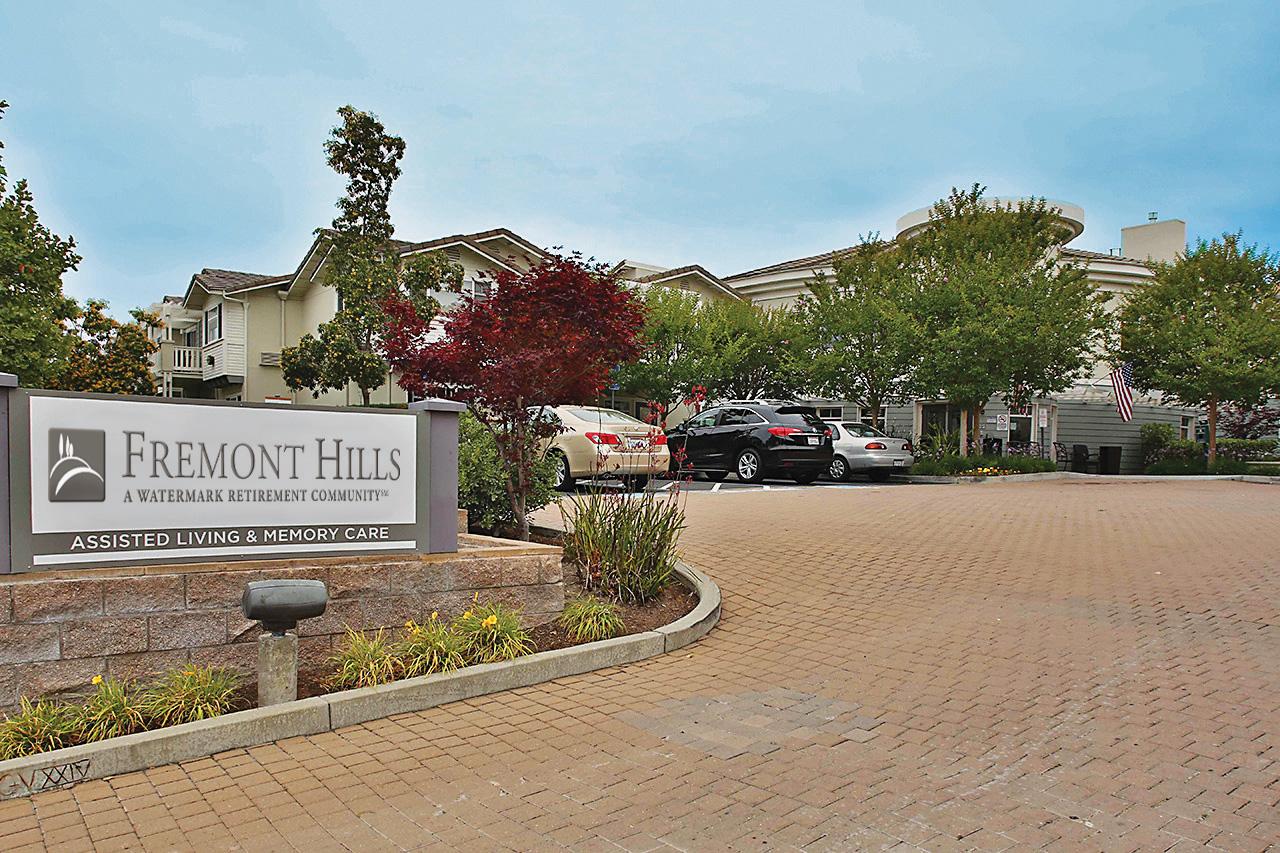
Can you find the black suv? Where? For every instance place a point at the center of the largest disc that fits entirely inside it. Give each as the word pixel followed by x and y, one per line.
pixel 753 440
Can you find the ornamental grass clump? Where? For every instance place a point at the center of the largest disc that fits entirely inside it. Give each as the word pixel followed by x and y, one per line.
pixel 492 632
pixel 588 619
pixel 428 647
pixel 363 660
pixel 624 547
pixel 39 727
pixel 189 694
pixel 113 709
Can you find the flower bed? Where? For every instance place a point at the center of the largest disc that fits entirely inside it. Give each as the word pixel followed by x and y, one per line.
pixel 954 465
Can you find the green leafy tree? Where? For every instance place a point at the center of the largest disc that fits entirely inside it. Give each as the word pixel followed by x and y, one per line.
pixel 33 341
pixel 673 360
pixel 107 356
pixel 1206 330
pixel 857 331
pixel 749 351
pixel 998 311
pixel 364 267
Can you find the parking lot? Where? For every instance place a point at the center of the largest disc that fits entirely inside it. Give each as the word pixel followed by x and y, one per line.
pixel 1068 665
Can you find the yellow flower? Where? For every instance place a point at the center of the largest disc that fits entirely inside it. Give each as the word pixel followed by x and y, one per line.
pixel 466 615
pixel 491 621
pixel 97 679
pixel 409 624
pixel 476 598
pixel 434 614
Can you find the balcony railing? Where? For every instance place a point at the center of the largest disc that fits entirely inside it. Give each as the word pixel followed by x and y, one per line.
pixel 176 359
pixel 186 359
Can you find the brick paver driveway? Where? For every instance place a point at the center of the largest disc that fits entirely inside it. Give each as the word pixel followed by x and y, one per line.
pixel 1007 666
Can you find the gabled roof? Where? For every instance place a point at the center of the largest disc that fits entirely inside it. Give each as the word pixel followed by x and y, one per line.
pixel 691 269
pixel 229 281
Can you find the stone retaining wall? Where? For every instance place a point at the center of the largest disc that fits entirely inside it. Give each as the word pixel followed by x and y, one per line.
pixel 58 629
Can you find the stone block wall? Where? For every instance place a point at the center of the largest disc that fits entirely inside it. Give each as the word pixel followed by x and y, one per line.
pixel 58 629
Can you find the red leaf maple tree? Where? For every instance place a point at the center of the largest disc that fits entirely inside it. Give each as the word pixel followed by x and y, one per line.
pixel 541 338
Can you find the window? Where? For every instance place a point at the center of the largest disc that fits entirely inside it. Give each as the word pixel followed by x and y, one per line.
pixel 1188 429
pixel 175 392
pixel 863 431
pixel 735 417
pixel 232 398
pixel 213 324
pixel 865 415
pixel 831 413
pixel 191 337
pixel 705 419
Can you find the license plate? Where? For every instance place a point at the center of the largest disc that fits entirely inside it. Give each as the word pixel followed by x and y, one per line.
pixel 813 439
pixel 636 444
pixel 898 463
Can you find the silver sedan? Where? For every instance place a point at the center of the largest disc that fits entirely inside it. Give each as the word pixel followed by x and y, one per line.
pixel 866 450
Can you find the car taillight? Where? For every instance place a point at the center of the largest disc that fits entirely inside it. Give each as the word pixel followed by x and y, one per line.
pixel 906 445
pixel 658 439
pixel 877 445
pixel 784 430
pixel 604 438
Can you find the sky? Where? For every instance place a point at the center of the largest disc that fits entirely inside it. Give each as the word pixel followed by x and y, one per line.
pixel 169 137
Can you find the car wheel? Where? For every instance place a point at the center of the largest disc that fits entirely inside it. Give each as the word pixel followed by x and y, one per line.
pixel 564 481
pixel 750 468
pixel 839 470
pixel 715 476
pixel 635 482
pixel 804 478
pixel 879 475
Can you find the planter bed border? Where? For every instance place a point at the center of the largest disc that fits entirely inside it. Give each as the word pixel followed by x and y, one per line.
pixel 49 771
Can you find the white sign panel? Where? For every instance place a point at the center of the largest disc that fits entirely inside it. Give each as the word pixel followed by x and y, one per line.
pixel 1044 418
pixel 1002 423
pixel 118 480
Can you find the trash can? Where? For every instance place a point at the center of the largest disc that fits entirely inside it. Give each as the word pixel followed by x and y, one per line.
pixel 1109 460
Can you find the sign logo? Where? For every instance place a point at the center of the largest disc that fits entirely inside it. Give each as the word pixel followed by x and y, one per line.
pixel 77 465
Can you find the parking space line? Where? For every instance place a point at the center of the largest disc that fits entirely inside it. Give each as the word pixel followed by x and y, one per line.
pixel 667 486
pixel 716 487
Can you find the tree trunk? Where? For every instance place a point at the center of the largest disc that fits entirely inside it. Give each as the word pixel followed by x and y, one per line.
pixel 874 404
pixel 964 432
pixel 364 392
pixel 977 429
pixel 1213 429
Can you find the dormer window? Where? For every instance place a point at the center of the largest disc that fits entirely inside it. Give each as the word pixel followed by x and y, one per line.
pixel 213 324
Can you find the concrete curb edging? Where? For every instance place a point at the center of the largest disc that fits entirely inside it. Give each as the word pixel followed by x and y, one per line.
pixel 1076 475
pixel 48 771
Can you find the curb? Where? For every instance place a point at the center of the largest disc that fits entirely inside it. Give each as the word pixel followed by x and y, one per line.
pixel 1075 475
pixel 49 771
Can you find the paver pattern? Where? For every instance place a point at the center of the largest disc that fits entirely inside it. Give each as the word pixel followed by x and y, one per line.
pixel 1033 666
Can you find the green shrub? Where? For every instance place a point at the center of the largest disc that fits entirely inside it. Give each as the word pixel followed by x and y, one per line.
pixel 1155 438
pixel 1224 465
pixel 623 547
pixel 1176 466
pixel 492 632
pixel 363 660
pixel 189 694
pixel 1249 450
pixel 47 724
pixel 429 647
pixel 588 619
pixel 113 709
pixel 482 486
pixel 950 465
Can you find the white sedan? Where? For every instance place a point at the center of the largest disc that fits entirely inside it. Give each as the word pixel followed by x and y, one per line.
pixel 866 450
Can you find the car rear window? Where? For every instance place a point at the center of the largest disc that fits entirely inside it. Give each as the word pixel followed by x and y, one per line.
pixel 797 416
pixel 603 416
pixel 863 431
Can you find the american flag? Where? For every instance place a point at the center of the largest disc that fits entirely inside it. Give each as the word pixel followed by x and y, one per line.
pixel 1122 381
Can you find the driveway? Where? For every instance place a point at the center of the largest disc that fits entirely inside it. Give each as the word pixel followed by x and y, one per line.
pixel 1034 666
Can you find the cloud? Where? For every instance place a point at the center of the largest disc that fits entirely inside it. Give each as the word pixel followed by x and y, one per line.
pixel 192 30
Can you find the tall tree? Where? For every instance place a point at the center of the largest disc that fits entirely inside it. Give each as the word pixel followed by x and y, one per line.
pixel 33 341
pixel 857 331
pixel 107 356
pixel 671 361
pixel 1206 330
pixel 999 312
pixel 364 266
pixel 546 337
pixel 750 351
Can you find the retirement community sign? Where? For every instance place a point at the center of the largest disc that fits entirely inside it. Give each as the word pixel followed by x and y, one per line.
pixel 111 480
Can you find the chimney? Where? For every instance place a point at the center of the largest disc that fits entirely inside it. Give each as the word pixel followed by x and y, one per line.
pixel 1155 241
